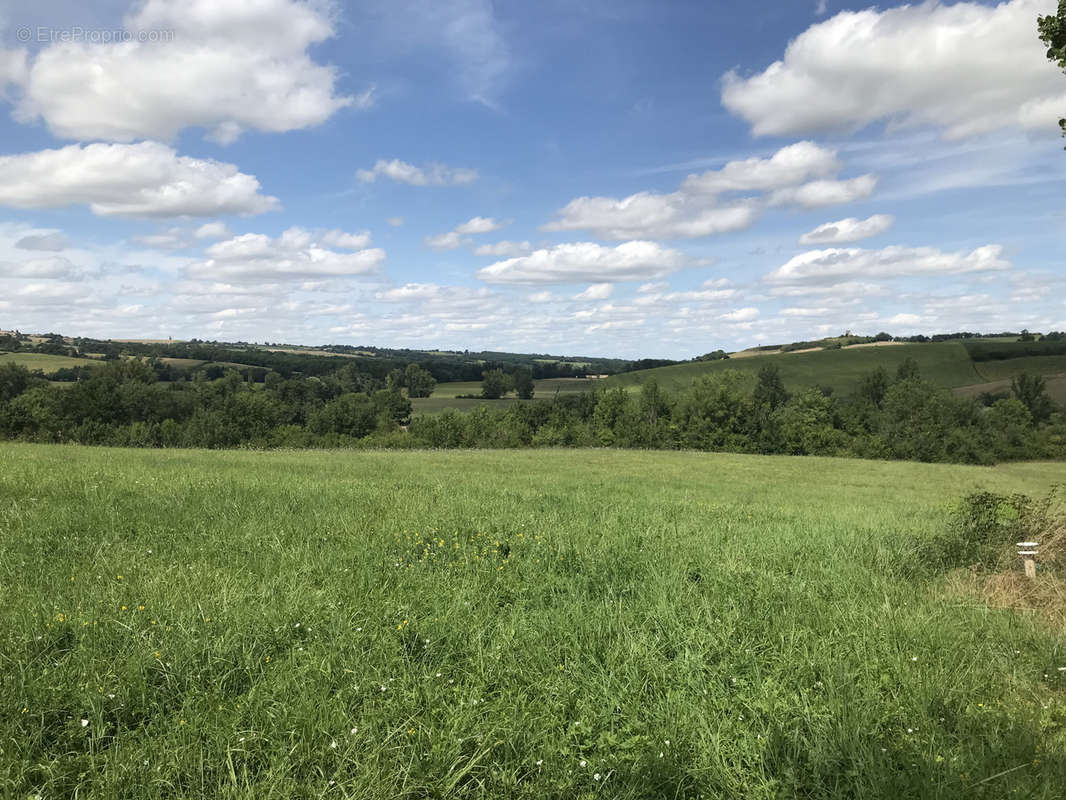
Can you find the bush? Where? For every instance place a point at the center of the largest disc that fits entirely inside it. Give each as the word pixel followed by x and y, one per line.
pixel 982 532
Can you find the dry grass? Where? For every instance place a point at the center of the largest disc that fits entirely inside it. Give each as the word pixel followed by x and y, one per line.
pixel 1044 597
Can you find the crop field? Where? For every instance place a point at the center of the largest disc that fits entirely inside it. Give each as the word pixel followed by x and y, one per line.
pixel 446 395
pixel 534 624
pixel 44 362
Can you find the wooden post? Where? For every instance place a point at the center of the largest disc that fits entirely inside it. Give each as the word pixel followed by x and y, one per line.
pixel 1029 553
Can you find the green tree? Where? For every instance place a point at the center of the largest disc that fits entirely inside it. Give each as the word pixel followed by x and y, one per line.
pixel 908 370
pixel 769 388
pixel 873 385
pixel 1052 30
pixel 419 382
pixel 522 379
pixel 1031 390
pixel 14 380
pixel 495 384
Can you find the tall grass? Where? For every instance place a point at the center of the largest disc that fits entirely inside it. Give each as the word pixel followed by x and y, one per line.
pixel 548 624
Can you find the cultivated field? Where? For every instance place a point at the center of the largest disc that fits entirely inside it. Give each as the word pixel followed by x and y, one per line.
pixel 446 395
pixel 46 363
pixel 542 624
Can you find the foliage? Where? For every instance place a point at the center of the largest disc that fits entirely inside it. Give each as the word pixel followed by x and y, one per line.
pixel 1052 30
pixel 495 384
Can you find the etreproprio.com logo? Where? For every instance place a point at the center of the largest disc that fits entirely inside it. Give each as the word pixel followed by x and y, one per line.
pixel 41 34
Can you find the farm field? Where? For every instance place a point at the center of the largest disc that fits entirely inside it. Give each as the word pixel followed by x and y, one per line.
pixel 508 624
pixel 446 395
pixel 1055 386
pixel 946 363
pixel 44 362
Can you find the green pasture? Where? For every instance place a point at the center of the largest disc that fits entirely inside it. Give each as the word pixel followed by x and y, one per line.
pixel 507 624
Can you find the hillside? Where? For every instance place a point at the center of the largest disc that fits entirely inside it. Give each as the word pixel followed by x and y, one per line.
pixel 510 624
pixel 948 364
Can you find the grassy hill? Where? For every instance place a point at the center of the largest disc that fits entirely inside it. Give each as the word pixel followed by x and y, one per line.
pixel 947 363
pixel 510 625
pixel 44 362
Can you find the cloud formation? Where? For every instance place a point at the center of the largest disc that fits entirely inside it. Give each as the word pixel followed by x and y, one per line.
pixel 586 262
pixel 227 66
pixel 797 175
pixel 429 175
pixel 297 253
pixel 848 230
pixel 147 179
pixel 837 264
pixel 964 68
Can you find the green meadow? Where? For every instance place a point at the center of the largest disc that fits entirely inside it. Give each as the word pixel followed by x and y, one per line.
pixel 45 362
pixel 508 624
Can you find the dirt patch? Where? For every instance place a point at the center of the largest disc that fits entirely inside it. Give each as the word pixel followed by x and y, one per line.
pixel 872 344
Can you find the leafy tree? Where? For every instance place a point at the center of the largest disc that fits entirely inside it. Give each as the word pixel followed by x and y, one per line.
pixel 1052 30
pixel 769 388
pixel 495 384
pixel 873 385
pixel 522 379
pixel 14 380
pixel 350 414
pixel 419 382
pixel 908 370
pixel 1031 390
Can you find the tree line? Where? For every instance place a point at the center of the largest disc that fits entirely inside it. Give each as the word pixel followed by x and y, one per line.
pixel 898 416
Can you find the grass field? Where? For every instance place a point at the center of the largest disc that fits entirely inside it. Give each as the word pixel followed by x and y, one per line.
pixel 446 395
pixel 541 624
pixel 946 363
pixel 1055 387
pixel 45 363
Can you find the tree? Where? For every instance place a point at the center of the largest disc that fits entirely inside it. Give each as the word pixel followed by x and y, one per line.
pixel 1031 390
pixel 769 389
pixel 1052 30
pixel 495 384
pixel 420 382
pixel 522 380
pixel 908 370
pixel 873 385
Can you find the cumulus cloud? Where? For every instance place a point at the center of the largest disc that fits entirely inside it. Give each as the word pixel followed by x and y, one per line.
pixel 447 241
pixel 818 194
pixel 297 253
pixel 430 175
pixel 833 264
pixel 797 175
pixel 848 230
pixel 586 262
pixel 480 225
pixel 51 242
pixel 597 291
pixel 504 248
pixel 741 315
pixel 48 267
pixel 964 68
pixel 147 179
pixel 223 65
pixel 212 230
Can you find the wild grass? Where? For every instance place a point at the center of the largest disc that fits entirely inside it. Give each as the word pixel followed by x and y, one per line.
pixel 531 624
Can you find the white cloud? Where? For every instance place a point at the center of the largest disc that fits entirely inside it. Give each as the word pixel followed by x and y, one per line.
pixel 447 241
pixel 789 166
pixel 541 297
pixel 212 230
pixel 586 262
pixel 835 264
pixel 796 311
pixel 798 174
pixel 430 175
pixel 51 242
pixel 224 65
pixel 504 248
pixel 848 230
pixel 480 225
pixel 345 241
pixel 146 179
pixel 597 291
pixel 741 315
pixel 48 267
pixel 818 194
pixel 297 253
pixel 904 319
pixel 965 68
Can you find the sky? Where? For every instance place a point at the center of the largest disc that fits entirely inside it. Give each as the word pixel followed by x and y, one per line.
pixel 627 178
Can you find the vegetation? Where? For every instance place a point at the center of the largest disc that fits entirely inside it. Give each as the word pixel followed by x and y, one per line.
pixel 1052 29
pixel 508 625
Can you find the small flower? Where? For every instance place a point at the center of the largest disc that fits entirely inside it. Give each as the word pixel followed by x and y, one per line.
pixel 596 777
pixel 85 723
pixel 914 658
pixel 333 744
pixel 540 762
pixel 583 763
pixel 353 731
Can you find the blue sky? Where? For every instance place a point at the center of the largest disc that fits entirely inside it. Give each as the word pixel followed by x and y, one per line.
pixel 609 177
